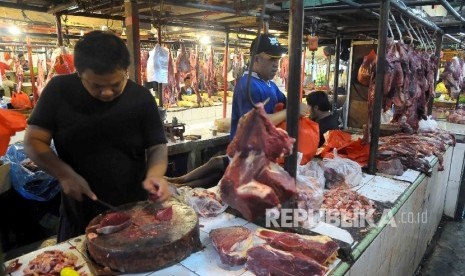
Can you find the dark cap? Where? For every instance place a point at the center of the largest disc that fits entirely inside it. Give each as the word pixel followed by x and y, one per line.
pixel 268 45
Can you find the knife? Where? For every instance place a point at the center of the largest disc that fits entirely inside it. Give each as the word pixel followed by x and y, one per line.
pixel 106 204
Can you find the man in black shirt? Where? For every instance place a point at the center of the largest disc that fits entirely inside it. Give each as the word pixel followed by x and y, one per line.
pixel 106 130
pixel 320 112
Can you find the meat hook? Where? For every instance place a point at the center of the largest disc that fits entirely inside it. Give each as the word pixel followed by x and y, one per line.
pixel 252 55
pixel 397 26
pixel 408 30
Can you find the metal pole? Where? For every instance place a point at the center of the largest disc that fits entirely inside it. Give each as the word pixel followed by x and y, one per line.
pixel 409 14
pixel 437 54
pixel 336 71
pixel 380 70
pixel 133 41
pixel 452 11
pixel 303 72
pixel 296 20
pixel 225 74
pixel 59 30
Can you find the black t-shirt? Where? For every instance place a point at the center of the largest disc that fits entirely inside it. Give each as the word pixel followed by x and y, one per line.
pixel 104 142
pixel 327 123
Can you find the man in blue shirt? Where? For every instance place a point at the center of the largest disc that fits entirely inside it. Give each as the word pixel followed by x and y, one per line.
pixel 262 88
pixel 264 68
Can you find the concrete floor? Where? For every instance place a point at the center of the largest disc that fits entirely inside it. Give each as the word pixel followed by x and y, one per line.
pixel 448 252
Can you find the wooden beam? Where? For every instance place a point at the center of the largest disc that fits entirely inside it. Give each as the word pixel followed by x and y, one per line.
pixel 62 7
pixel 133 41
pixel 25 7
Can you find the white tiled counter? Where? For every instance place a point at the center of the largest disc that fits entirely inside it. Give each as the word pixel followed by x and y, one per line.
pixel 386 250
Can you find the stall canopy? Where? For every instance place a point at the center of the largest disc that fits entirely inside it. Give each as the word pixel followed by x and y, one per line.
pixel 189 20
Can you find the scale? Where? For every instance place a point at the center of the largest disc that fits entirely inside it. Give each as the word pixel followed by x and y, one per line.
pixel 174 130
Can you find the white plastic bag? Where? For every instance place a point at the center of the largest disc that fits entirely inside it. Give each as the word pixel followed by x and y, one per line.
pixel 161 58
pixel 386 117
pixel 312 169
pixel 350 170
pixel 150 72
pixel 428 125
pixel 309 200
pixel 206 203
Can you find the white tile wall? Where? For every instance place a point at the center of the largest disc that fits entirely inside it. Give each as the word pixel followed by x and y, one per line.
pixel 197 115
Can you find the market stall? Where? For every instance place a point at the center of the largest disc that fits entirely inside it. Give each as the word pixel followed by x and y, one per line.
pixel 414 177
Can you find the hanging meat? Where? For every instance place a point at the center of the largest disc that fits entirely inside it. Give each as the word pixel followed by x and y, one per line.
pixel 194 69
pixel 284 70
pixel 366 69
pixel 170 91
pixel 453 76
pixel 408 85
pixel 238 65
pixel 211 84
pixel 19 75
pixel 182 67
pixel 144 56
pixel 40 76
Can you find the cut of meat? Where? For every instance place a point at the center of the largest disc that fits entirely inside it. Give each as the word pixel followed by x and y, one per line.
pixel 255 132
pixel 265 260
pixel 241 189
pixel 252 183
pixel 112 219
pixel 391 167
pixel 320 248
pixel 51 262
pixel 277 178
pixel 232 244
pixel 165 214
pixel 113 222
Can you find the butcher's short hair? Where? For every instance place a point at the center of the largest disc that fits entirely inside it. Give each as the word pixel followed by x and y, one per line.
pixel 320 99
pixel 102 52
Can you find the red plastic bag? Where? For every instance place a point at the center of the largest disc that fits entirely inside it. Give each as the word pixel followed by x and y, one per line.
pixel 20 100
pixel 309 138
pixel 10 122
pixel 357 151
pixel 367 67
pixel 64 64
pixel 334 139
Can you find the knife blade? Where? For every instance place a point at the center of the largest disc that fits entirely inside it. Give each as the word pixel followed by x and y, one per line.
pixel 106 204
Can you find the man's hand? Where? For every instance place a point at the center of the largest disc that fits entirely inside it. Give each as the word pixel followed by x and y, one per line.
pixel 75 186
pixel 157 187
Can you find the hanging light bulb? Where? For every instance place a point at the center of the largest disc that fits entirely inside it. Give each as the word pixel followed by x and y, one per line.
pixel 14 30
pixel 124 32
pixel 205 40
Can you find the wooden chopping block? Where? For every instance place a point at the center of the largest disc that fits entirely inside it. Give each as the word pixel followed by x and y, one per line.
pixel 150 243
